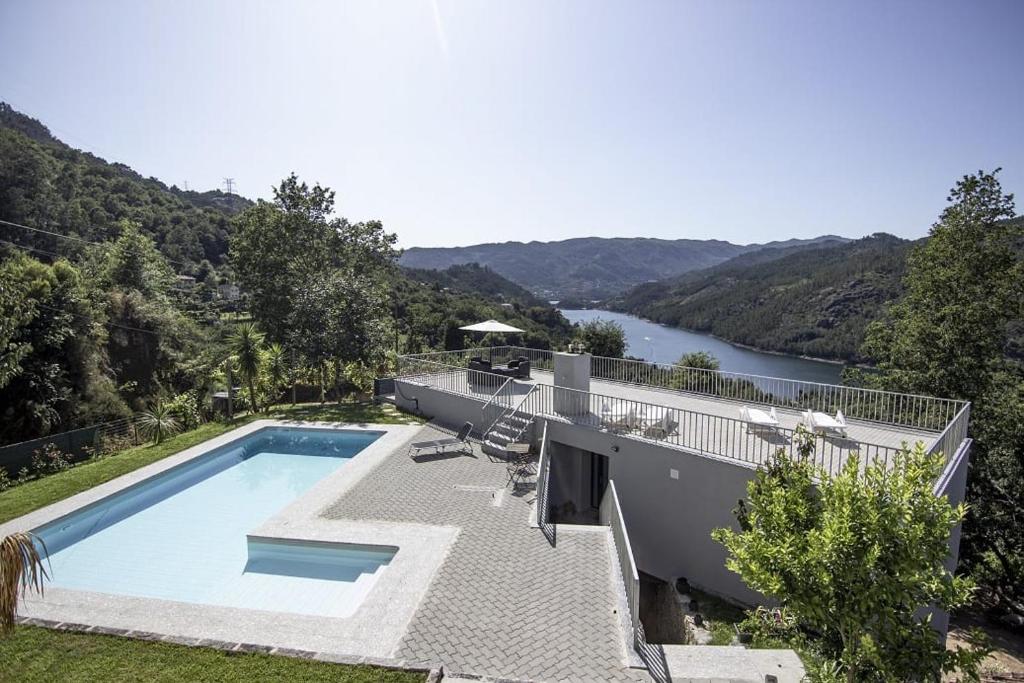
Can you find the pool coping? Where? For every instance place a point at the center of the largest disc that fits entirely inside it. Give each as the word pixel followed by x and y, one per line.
pixel 372 633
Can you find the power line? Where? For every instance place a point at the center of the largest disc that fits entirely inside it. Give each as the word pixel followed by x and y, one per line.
pixel 229 185
pixel 102 245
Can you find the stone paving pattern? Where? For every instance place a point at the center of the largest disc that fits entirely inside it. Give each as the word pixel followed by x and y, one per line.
pixel 505 603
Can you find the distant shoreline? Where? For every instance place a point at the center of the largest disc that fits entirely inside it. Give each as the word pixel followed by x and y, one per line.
pixel 738 345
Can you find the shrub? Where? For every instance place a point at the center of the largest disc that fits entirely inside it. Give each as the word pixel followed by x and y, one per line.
pixel 5 480
pixel 50 459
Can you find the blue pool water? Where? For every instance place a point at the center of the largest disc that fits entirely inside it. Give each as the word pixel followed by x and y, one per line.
pixel 182 534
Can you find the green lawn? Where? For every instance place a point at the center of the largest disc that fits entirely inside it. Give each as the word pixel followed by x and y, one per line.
pixel 39 654
pixel 38 493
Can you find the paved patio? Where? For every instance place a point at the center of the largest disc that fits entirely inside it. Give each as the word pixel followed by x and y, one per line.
pixel 505 603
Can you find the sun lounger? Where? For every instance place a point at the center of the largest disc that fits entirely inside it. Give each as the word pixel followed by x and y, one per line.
pixel 824 423
pixel 662 427
pixel 758 419
pixel 460 442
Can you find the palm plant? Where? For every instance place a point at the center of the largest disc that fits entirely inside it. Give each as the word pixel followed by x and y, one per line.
pixel 157 423
pixel 21 568
pixel 277 370
pixel 247 346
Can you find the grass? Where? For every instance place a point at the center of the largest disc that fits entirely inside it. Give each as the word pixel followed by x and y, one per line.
pixel 32 495
pixel 39 654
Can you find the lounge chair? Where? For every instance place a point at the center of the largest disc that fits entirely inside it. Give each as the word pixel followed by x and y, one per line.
pixel 664 427
pixel 618 421
pixel 824 423
pixel 758 419
pixel 460 442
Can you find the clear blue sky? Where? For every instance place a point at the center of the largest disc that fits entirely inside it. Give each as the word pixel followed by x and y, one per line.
pixel 463 122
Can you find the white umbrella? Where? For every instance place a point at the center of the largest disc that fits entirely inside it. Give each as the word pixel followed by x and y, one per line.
pixel 490 326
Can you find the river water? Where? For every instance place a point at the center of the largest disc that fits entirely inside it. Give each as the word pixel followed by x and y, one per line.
pixel 661 344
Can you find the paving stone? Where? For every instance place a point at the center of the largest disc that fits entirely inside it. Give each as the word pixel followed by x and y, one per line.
pixel 505 604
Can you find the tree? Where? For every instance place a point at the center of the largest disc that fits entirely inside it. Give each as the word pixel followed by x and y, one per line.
pixel 857 558
pixel 247 347
pixel 279 246
pixel 702 360
pixel 948 336
pixel 277 369
pixel 602 338
pixel 21 568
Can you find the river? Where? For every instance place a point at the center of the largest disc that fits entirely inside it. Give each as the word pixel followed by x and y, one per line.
pixel 661 344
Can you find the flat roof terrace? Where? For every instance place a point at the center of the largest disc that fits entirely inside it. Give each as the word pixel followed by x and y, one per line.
pixel 699 410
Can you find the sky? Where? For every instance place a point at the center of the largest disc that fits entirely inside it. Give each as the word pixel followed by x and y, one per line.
pixel 481 121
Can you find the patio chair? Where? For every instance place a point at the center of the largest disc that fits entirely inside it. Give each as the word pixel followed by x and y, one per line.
pixel 520 465
pixel 758 419
pixel 460 442
pixel 823 423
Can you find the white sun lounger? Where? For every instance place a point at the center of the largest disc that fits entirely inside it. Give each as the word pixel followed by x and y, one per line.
pixel 825 423
pixel 756 418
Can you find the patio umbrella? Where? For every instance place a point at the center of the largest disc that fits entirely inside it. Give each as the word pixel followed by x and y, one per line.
pixel 491 326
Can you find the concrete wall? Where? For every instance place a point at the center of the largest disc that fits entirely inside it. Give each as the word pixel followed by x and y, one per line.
pixel 448 409
pixel 670 520
pixel 953 485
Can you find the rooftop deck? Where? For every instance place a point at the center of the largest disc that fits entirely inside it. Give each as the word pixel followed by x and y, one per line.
pixel 700 407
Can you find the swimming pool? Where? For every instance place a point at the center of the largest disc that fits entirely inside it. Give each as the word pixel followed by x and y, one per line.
pixel 182 535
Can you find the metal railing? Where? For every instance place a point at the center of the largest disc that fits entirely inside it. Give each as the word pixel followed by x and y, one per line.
pixel 954 434
pixel 694 431
pixel 689 430
pixel 543 474
pixel 869 405
pixel 611 516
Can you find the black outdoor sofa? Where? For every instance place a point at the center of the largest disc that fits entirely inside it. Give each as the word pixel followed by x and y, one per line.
pixel 517 369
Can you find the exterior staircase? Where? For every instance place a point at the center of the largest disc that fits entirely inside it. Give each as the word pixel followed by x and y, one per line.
pixel 509 433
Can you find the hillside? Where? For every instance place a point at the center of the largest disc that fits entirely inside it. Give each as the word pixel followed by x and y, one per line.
pixel 589 267
pixel 44 183
pixel 473 278
pixel 811 301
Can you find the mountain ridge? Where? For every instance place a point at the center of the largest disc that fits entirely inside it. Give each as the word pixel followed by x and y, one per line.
pixel 591 267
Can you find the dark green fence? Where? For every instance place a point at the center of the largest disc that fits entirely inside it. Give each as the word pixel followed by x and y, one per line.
pixel 78 443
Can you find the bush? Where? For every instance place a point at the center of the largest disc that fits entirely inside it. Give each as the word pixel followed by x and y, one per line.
pixel 50 459
pixel 185 408
pixel 5 480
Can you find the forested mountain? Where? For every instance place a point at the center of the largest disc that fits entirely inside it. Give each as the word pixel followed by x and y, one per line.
pixel 810 301
pixel 589 267
pixel 472 278
pixel 46 184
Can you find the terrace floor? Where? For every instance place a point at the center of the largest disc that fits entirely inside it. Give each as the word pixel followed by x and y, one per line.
pixel 505 603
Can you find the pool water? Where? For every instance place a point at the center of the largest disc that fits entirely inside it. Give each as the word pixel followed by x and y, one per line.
pixel 182 534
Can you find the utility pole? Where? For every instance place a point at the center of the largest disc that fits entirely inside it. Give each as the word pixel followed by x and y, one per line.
pixel 229 185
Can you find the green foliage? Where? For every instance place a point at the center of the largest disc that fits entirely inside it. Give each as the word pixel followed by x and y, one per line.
pixel 701 360
pixel 806 300
pixel 949 336
pixel 856 559
pixel 46 184
pixel 185 409
pixel 277 371
pixel 601 338
pixel 49 459
pixel 42 655
pixel 158 423
pixel 247 348
pixel 58 375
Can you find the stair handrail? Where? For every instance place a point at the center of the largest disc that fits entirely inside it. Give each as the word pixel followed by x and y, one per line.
pixel 495 394
pixel 512 411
